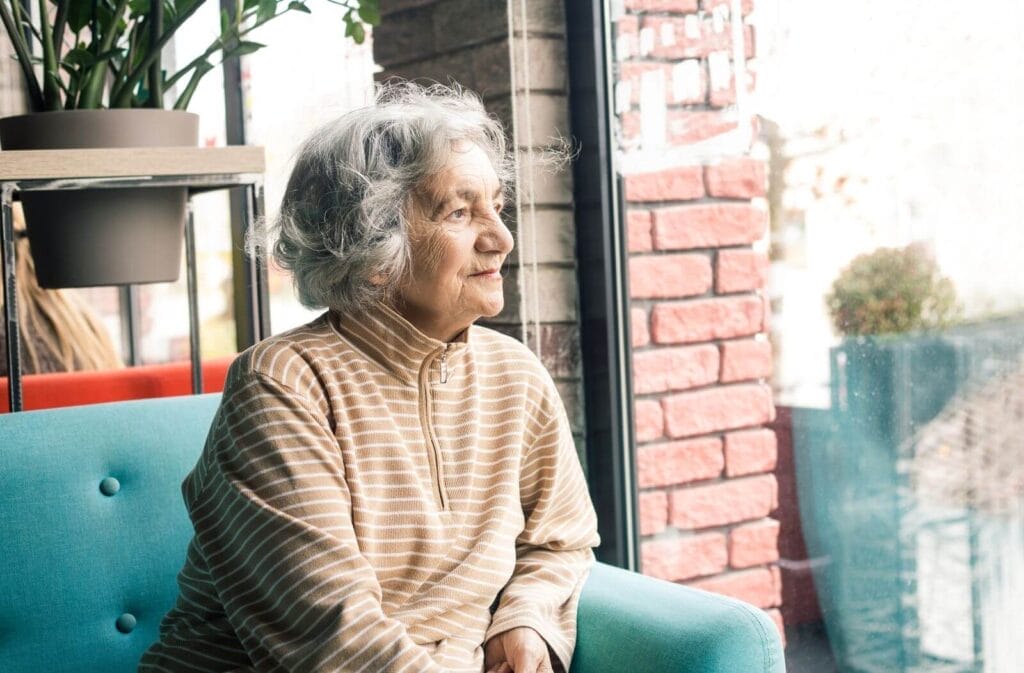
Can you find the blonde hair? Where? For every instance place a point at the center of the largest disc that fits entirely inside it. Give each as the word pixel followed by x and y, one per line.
pixel 58 331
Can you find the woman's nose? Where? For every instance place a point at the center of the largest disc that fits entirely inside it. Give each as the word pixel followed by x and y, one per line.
pixel 496 237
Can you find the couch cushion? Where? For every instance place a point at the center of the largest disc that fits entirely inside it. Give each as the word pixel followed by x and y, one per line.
pixel 94 529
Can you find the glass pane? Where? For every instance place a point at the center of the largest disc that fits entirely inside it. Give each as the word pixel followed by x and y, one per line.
pixel 898 323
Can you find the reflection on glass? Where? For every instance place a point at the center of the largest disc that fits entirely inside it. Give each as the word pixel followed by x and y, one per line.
pixel 911 489
pixel 898 322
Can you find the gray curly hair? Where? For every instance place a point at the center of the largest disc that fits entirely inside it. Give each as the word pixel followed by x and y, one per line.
pixel 343 218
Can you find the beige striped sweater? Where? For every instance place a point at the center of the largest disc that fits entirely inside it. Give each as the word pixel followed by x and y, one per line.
pixel 371 499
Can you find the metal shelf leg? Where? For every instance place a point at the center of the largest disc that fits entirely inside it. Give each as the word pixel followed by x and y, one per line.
pixel 11 300
pixel 193 303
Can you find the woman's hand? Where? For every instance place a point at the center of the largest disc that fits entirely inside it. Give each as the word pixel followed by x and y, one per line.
pixel 519 650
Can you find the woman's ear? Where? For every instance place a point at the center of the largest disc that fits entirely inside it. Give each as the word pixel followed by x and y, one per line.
pixel 378 279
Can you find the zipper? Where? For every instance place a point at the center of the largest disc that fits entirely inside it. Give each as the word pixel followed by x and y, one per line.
pixel 444 365
pixel 433 449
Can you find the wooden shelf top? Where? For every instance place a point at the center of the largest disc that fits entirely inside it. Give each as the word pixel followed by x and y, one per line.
pixel 130 162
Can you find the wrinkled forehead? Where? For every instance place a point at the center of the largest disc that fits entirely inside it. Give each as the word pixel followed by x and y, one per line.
pixel 468 172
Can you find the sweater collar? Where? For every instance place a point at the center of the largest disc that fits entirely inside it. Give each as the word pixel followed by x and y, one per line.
pixel 392 341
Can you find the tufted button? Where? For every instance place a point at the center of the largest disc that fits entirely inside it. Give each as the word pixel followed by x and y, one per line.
pixel 110 486
pixel 126 623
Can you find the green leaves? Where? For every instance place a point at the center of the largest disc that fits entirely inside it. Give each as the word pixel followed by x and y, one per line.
pixel 109 54
pixel 138 8
pixel 79 14
pixel 104 15
pixel 55 80
pixel 265 10
pixel 353 28
pixel 365 12
pixel 369 12
pixel 105 53
pixel 183 6
pixel 79 57
pixel 201 68
pixel 243 48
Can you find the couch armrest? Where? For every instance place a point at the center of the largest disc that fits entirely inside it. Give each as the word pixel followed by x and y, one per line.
pixel 628 622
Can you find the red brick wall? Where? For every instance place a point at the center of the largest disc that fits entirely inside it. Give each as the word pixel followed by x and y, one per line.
pixel 699 313
pixel 799 594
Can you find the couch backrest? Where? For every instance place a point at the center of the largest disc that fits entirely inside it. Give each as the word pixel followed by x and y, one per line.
pixel 69 389
pixel 89 564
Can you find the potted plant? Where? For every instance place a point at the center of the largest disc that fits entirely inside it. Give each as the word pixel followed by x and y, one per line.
pixel 94 77
pixel 892 291
pixel 890 307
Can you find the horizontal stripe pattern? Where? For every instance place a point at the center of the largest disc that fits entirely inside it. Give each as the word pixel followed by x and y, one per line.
pixel 353 512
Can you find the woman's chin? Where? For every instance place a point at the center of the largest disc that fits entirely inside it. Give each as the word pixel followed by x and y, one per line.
pixel 492 308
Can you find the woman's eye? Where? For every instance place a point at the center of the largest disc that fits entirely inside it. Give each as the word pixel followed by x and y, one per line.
pixel 458 214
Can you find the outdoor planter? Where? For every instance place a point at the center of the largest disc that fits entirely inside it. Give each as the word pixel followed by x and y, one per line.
pixel 92 237
pixel 910 576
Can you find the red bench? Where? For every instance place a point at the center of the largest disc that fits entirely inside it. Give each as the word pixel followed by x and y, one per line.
pixel 68 389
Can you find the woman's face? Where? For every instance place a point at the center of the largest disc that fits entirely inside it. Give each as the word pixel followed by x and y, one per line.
pixel 458 244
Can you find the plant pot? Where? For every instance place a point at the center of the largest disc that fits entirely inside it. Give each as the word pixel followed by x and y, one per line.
pixel 82 238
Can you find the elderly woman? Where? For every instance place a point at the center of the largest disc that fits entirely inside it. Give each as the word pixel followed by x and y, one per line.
pixel 390 487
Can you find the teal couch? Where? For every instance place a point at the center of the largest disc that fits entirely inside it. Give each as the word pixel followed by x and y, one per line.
pixel 93 532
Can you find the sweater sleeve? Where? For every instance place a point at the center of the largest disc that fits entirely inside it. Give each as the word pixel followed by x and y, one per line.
pixel 553 552
pixel 272 516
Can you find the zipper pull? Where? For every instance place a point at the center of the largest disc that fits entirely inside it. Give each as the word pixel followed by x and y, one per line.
pixel 444 365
